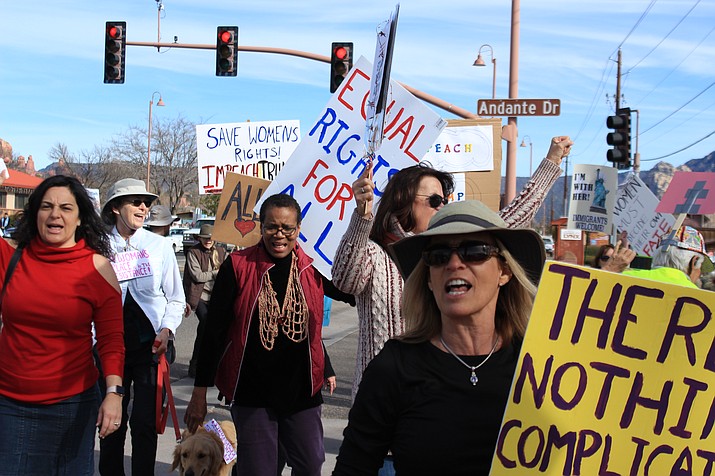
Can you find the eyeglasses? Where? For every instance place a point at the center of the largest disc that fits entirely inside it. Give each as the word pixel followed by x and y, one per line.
pixel 435 199
pixel 604 258
pixel 274 229
pixel 468 252
pixel 136 202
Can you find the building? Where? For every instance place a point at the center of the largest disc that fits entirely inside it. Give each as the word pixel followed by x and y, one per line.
pixel 15 191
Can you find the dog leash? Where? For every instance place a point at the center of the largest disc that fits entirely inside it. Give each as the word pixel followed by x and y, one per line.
pixel 163 381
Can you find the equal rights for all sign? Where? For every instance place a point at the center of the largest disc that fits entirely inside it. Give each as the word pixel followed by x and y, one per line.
pixel 332 155
pixel 616 377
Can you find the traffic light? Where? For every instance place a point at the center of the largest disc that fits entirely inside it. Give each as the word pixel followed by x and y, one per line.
pixel 227 51
pixel 115 46
pixel 620 138
pixel 341 60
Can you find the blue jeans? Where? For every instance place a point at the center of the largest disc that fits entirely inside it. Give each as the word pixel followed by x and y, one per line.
pixel 56 439
pixel 388 468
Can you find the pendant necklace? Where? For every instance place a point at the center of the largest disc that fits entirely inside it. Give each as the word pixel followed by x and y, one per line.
pixel 473 368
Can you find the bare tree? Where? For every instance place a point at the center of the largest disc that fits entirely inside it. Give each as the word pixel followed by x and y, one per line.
pixel 60 153
pixel 173 157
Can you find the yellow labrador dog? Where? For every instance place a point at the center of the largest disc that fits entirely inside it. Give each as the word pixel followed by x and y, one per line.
pixel 201 453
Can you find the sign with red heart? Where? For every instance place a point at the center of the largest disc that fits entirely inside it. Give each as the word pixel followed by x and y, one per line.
pixel 236 221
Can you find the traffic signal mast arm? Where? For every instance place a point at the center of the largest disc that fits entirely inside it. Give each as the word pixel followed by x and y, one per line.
pixel 456 110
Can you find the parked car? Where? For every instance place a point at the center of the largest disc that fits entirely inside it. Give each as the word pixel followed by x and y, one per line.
pixel 176 238
pixel 548 245
pixel 190 235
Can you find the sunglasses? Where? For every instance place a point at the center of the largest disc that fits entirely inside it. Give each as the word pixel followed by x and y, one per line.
pixel 136 202
pixel 604 258
pixel 468 252
pixel 435 200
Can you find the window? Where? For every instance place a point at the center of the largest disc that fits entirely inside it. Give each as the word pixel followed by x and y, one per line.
pixel 3 199
pixel 20 200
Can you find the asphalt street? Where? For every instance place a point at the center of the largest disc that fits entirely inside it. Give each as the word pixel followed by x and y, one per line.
pixel 340 338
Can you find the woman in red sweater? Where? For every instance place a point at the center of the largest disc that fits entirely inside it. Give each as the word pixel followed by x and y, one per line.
pixel 62 286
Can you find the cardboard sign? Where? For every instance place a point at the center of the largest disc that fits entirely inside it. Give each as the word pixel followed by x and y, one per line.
pixel 236 221
pixel 463 149
pixel 257 149
pixel 592 196
pixel 634 212
pixel 331 157
pixel 615 377
pixel 689 192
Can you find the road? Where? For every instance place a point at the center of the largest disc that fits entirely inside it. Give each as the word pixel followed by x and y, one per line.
pixel 340 338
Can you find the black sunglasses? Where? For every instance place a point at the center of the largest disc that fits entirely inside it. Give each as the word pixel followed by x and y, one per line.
pixel 435 200
pixel 604 258
pixel 136 202
pixel 468 252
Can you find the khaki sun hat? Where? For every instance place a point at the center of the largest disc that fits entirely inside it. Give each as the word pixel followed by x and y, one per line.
pixel 472 216
pixel 160 215
pixel 124 188
pixel 205 231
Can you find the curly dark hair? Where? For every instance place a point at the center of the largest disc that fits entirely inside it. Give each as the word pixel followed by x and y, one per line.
pixel 90 228
pixel 279 200
pixel 398 196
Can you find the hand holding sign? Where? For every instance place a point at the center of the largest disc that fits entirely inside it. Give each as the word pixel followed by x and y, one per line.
pixel 363 191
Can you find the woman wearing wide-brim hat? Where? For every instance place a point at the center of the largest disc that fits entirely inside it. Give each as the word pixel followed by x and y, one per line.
pixel 153 298
pixel 436 395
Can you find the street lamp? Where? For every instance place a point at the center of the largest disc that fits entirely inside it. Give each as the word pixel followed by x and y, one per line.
pixel 148 143
pixel 531 150
pixel 480 62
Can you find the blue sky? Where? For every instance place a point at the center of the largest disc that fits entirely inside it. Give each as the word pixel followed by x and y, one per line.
pixel 51 66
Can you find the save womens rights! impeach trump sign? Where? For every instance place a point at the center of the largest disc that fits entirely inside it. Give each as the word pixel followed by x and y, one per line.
pixel 616 377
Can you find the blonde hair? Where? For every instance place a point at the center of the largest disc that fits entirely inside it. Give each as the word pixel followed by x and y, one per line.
pixel 423 317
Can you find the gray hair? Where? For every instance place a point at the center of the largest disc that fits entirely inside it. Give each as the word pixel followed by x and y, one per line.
pixel 677 258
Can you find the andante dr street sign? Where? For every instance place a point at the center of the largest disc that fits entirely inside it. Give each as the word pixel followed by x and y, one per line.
pixel 519 107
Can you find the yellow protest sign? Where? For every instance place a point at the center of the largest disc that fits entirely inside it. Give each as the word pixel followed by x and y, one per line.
pixel 235 221
pixel 616 377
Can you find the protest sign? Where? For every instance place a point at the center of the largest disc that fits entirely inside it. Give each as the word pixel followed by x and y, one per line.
pixel 592 197
pixel 689 192
pixel 634 212
pixel 331 157
pixel 236 221
pixel 463 149
pixel 615 377
pixel 258 149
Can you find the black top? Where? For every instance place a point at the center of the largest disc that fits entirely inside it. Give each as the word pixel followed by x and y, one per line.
pixel 418 402
pixel 277 379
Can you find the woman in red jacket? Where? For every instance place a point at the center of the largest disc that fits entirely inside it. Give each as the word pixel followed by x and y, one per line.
pixel 62 287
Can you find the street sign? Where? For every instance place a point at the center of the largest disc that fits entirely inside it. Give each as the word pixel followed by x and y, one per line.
pixel 519 107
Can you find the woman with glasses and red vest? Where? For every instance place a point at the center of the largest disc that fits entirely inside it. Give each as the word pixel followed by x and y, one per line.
pixel 262 347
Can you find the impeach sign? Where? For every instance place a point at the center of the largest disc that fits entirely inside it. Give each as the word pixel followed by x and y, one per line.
pixel 616 377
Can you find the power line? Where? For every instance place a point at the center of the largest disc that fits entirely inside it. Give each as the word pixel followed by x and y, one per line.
pixel 664 38
pixel 678 151
pixel 681 107
pixel 643 15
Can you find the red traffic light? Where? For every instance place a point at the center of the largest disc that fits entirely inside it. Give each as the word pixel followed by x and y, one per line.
pixel 114 32
pixel 114 51
pixel 226 51
pixel 340 53
pixel 341 61
pixel 225 37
